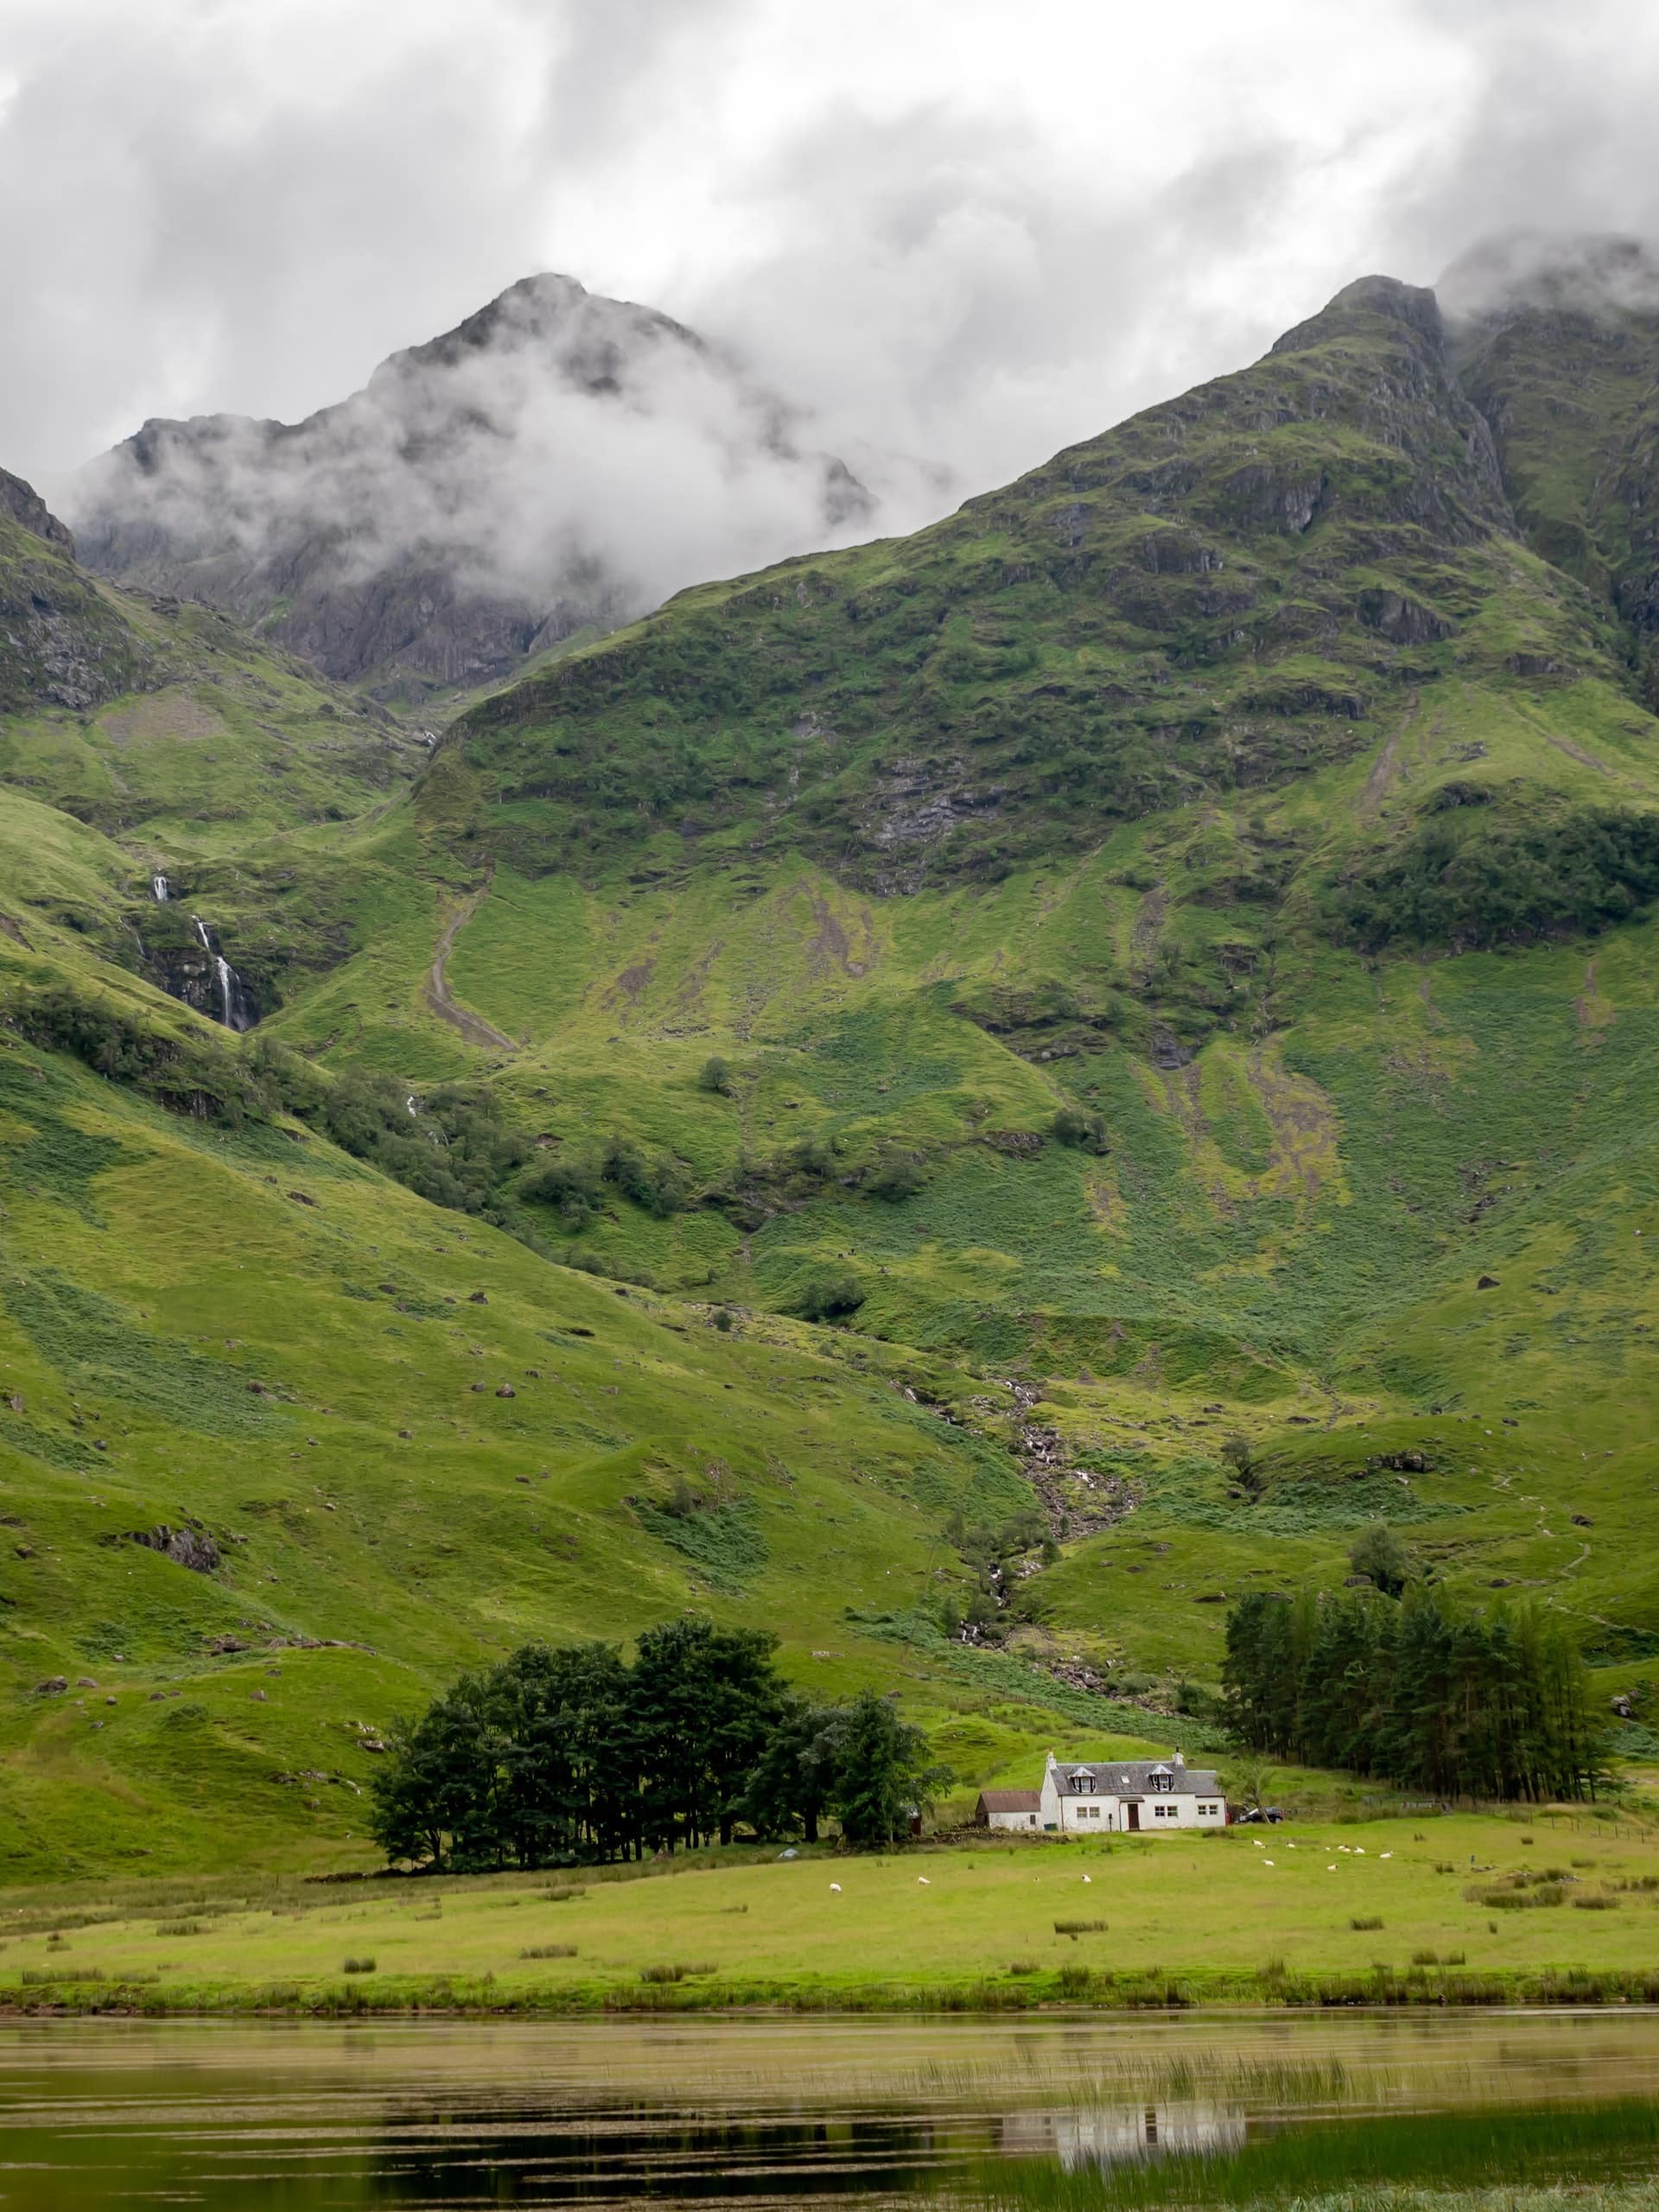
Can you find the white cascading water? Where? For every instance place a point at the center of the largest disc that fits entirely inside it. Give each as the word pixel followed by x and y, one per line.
pixel 232 1011
pixel 160 889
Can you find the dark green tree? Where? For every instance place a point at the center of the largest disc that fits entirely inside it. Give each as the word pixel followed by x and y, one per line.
pixel 560 1713
pixel 793 1782
pixel 702 1701
pixel 438 1799
pixel 885 1777
pixel 1377 1552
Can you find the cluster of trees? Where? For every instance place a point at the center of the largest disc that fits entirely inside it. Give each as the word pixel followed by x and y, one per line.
pixel 567 1755
pixel 1406 1688
pixel 452 1146
pixel 576 1187
pixel 1504 882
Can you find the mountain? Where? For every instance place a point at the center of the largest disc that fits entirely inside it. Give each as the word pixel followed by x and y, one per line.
pixel 553 466
pixel 1068 1063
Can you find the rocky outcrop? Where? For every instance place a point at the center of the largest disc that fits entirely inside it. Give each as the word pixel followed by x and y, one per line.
pixel 26 506
pixel 188 1547
pixel 61 643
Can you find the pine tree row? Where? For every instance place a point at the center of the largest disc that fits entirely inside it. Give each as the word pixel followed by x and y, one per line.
pixel 1477 1705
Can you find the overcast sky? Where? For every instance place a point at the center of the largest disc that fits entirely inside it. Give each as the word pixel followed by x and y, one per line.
pixel 975 230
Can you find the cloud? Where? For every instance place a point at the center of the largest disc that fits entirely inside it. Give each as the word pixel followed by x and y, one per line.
pixel 244 207
pixel 954 234
pixel 1555 135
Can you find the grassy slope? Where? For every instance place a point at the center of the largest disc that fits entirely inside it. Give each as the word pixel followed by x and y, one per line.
pixel 1278 1918
pixel 1290 1226
pixel 185 738
pixel 154 1270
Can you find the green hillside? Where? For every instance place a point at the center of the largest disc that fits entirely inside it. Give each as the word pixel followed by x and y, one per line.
pixel 1069 1063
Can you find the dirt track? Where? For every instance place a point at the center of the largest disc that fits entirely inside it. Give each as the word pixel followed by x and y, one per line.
pixel 472 1027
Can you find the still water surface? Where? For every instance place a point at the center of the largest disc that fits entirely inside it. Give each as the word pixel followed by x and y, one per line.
pixel 297 2117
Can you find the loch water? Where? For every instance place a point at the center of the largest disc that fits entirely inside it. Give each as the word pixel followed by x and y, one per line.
pixel 1043 2114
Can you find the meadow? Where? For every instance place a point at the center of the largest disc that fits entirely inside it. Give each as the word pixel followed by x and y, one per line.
pixel 1462 1908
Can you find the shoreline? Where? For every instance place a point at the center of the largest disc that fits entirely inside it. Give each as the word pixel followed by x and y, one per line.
pixel 455 1999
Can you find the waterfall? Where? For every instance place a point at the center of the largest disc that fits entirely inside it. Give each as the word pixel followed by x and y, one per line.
pixel 222 976
pixel 160 889
pixel 235 1008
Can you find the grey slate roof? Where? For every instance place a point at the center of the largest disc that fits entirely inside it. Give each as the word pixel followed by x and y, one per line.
pixel 1132 1778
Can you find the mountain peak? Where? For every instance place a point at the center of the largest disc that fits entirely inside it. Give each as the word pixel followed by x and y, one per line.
pixel 1367 299
pixel 557 461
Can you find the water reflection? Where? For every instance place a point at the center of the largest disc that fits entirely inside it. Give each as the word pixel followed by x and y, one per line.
pixel 1113 2133
pixel 294 2117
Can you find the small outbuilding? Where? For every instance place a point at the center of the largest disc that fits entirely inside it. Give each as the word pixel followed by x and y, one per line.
pixel 1009 1809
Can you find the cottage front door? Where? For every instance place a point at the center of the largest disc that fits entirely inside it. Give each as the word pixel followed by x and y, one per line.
pixel 1132 1809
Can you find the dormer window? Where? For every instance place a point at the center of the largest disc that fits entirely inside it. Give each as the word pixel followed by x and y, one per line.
pixel 1160 1778
pixel 1082 1781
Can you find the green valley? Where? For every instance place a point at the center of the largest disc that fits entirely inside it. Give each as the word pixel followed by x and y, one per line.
pixel 1048 1074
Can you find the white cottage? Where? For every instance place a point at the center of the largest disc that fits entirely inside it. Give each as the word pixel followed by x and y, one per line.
pixel 1092 1798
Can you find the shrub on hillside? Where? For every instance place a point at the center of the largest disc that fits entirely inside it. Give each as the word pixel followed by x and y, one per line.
pixel 453 1147
pixel 827 1297
pixel 571 1187
pixel 660 1186
pixel 195 1076
pixel 1378 1553
pixel 896 1175
pixel 1083 1131
pixel 716 1075
pixel 575 1186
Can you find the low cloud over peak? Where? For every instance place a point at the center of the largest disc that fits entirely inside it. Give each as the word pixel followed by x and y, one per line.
pixel 558 459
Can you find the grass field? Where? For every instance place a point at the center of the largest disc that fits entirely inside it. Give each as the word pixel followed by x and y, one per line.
pixel 1359 1911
